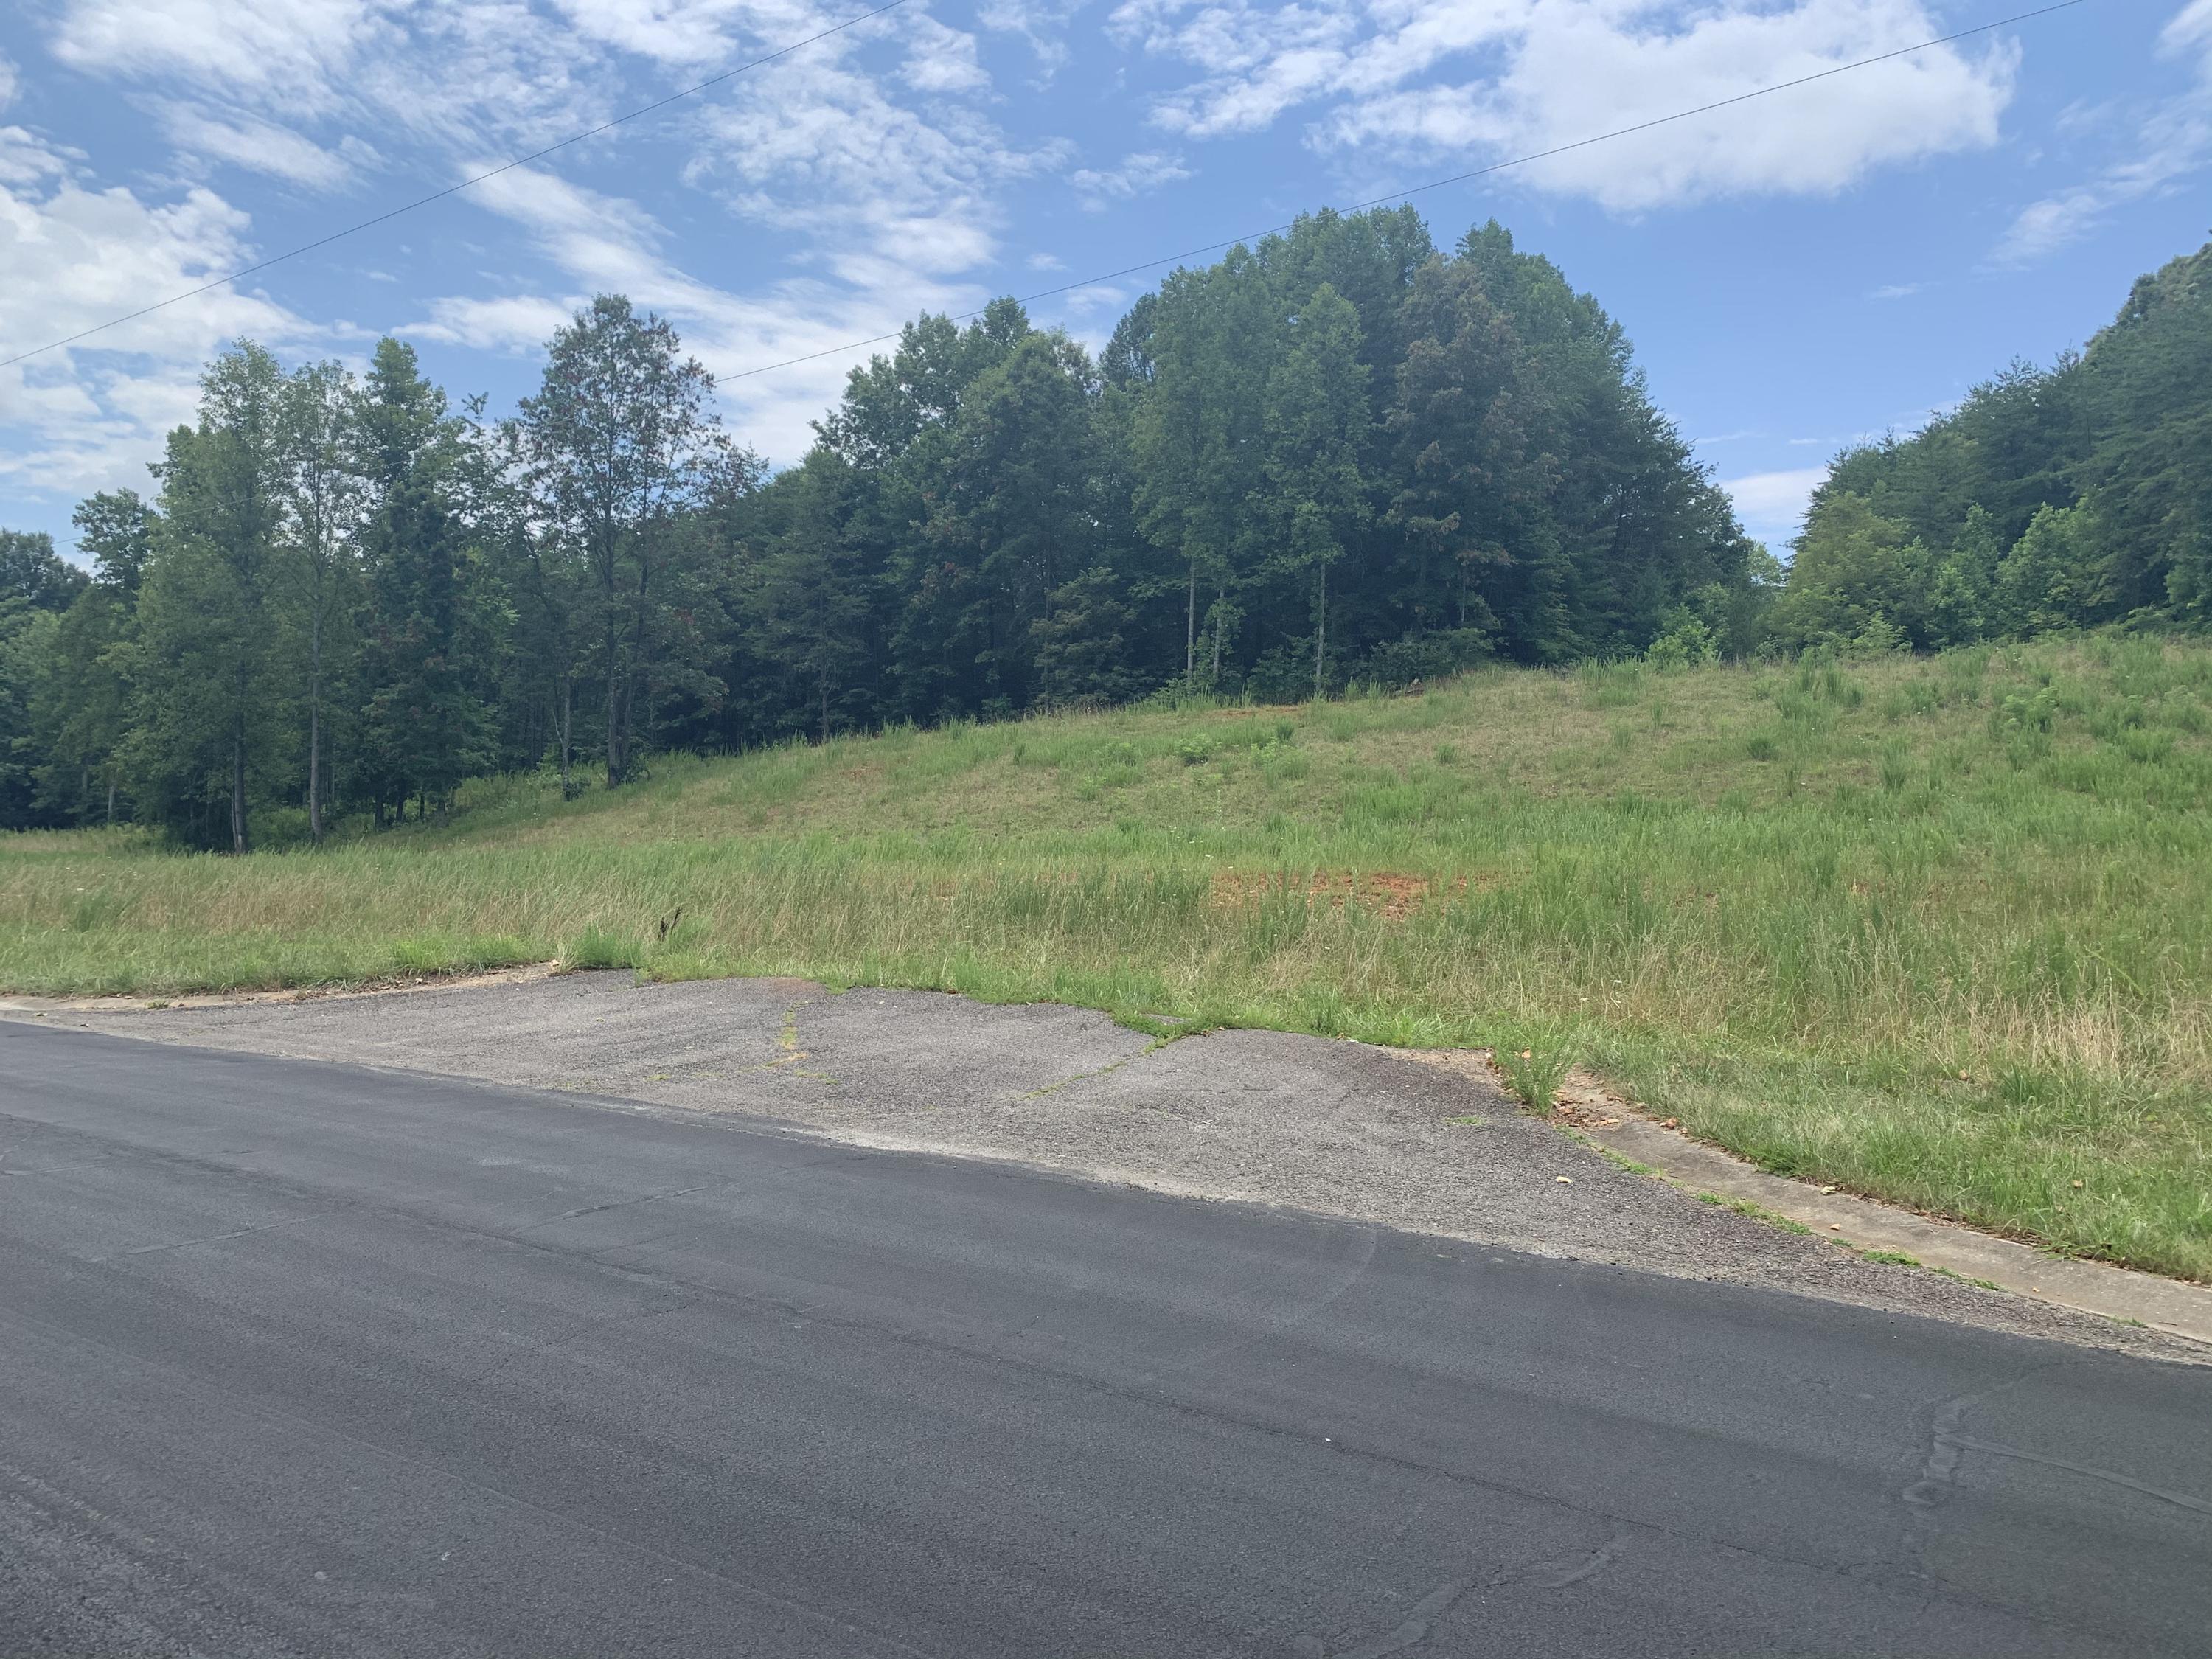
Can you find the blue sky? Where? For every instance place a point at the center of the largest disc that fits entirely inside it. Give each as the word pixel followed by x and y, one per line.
pixel 1796 272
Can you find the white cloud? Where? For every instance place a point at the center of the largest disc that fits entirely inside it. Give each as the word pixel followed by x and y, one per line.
pixel 1096 297
pixel 90 416
pixel 8 81
pixel 883 194
pixel 868 165
pixel 2171 138
pixel 281 50
pixel 511 324
pixel 941 59
pixel 261 146
pixel 605 245
pixel 1145 171
pixel 1526 75
pixel 1041 23
pixel 1772 504
pixel 1895 291
pixel 1046 262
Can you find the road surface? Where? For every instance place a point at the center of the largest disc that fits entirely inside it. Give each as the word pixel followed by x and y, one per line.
pixel 298 1357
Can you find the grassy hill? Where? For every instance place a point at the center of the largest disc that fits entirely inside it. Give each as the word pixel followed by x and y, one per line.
pixel 1938 930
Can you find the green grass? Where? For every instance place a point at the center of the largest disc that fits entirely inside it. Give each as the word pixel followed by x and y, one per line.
pixel 1935 930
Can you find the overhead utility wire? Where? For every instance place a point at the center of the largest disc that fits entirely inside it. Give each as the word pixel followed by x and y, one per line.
pixel 1456 179
pixel 453 190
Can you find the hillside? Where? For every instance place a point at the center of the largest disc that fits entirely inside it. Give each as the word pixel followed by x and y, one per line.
pixel 2051 498
pixel 1342 456
pixel 1931 929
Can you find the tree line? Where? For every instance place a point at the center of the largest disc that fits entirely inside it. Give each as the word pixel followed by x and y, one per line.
pixel 2071 496
pixel 1338 456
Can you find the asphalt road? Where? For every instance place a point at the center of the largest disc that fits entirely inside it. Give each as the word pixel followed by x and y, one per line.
pixel 298 1357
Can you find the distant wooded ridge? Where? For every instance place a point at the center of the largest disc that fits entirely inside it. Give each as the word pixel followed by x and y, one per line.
pixel 2070 496
pixel 1340 456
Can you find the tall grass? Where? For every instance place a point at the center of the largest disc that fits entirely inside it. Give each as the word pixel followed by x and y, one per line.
pixel 1933 930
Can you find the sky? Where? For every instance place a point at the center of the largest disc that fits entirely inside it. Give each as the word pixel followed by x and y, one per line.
pixel 1798 272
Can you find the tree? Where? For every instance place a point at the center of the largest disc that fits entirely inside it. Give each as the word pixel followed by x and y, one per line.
pixel 322 493
pixel 2040 587
pixel 1082 642
pixel 1317 427
pixel 36 586
pixel 427 622
pixel 1473 472
pixel 210 700
pixel 813 600
pixel 1197 438
pixel 1852 566
pixel 31 573
pixel 543 580
pixel 1013 481
pixel 84 717
pixel 621 447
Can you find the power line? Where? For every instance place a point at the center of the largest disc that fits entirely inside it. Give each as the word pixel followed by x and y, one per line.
pixel 453 190
pixel 1456 179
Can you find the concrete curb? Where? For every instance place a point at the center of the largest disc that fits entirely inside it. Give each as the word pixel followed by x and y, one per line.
pixel 2165 1304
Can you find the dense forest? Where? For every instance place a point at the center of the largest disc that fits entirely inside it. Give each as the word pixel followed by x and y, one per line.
pixel 1338 456
pixel 2052 498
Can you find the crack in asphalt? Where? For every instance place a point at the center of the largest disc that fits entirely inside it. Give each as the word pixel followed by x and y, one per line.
pixel 1420 1618
pixel 621 1203
pixel 1966 1442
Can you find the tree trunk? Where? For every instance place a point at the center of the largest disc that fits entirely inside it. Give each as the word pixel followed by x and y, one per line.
pixel 1321 622
pixel 614 710
pixel 315 726
pixel 825 708
pixel 237 785
pixel 567 726
pixel 1190 628
pixel 1220 594
pixel 111 795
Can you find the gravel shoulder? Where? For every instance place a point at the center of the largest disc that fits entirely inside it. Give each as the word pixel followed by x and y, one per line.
pixel 1333 1128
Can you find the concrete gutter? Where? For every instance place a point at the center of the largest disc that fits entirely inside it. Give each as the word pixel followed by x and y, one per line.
pixel 2170 1305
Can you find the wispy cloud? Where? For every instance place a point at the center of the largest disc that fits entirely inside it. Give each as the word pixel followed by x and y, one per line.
pixel 2170 139
pixel 1138 174
pixel 870 169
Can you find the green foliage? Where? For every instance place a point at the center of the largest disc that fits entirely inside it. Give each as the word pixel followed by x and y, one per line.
pixel 1533 1073
pixel 1335 458
pixel 2060 498
pixel 1684 641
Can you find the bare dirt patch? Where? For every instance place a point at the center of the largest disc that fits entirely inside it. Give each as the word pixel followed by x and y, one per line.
pixel 1391 894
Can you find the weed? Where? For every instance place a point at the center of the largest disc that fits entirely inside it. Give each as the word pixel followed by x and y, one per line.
pixel 1534 1073
pixel 1757 1212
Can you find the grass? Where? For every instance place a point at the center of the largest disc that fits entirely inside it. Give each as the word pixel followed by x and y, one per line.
pixel 1931 930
